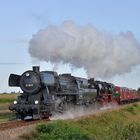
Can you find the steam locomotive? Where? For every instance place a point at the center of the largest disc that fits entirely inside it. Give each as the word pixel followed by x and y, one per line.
pixel 46 92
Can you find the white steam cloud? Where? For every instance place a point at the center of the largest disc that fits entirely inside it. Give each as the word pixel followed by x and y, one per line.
pixel 79 111
pixel 101 53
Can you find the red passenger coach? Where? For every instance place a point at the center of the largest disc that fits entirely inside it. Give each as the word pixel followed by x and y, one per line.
pixel 126 95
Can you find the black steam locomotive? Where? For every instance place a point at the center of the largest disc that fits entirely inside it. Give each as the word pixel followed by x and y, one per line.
pixel 46 92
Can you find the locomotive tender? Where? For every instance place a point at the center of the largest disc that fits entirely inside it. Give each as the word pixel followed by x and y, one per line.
pixel 46 92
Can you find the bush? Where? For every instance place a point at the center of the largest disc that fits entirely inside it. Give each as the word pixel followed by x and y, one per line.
pixel 60 131
pixel 130 109
pixel 43 128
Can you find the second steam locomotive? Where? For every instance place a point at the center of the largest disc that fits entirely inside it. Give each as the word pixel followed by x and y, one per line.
pixel 46 92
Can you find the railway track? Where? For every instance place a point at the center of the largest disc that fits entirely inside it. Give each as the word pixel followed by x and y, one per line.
pixel 19 123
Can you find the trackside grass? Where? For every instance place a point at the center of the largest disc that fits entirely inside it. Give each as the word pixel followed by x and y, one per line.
pixel 7 116
pixel 121 124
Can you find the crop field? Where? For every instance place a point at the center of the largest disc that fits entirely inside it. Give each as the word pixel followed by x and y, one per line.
pixel 5 100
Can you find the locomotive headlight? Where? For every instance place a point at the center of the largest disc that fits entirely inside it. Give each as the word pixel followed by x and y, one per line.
pixel 36 102
pixel 27 74
pixel 15 102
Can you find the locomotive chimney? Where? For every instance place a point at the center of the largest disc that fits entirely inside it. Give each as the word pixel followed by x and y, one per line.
pixel 36 68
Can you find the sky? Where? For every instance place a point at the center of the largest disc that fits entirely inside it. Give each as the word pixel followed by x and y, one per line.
pixel 21 19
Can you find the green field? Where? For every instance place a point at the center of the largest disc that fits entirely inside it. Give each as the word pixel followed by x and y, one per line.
pixel 120 124
pixel 5 100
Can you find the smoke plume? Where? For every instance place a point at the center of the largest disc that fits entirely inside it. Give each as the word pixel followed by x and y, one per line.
pixel 101 53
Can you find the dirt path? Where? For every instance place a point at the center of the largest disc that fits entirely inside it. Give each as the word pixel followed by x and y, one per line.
pixel 14 133
pixel 13 129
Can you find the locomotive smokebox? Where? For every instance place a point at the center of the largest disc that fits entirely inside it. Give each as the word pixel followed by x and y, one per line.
pixel 36 69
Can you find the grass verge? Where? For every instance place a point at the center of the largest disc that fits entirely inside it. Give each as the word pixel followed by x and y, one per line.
pixel 6 116
pixel 122 124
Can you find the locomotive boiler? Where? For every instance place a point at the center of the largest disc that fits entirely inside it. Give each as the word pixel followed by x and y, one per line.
pixel 45 92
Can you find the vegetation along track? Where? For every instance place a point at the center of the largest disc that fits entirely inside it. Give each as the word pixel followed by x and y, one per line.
pixel 19 123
